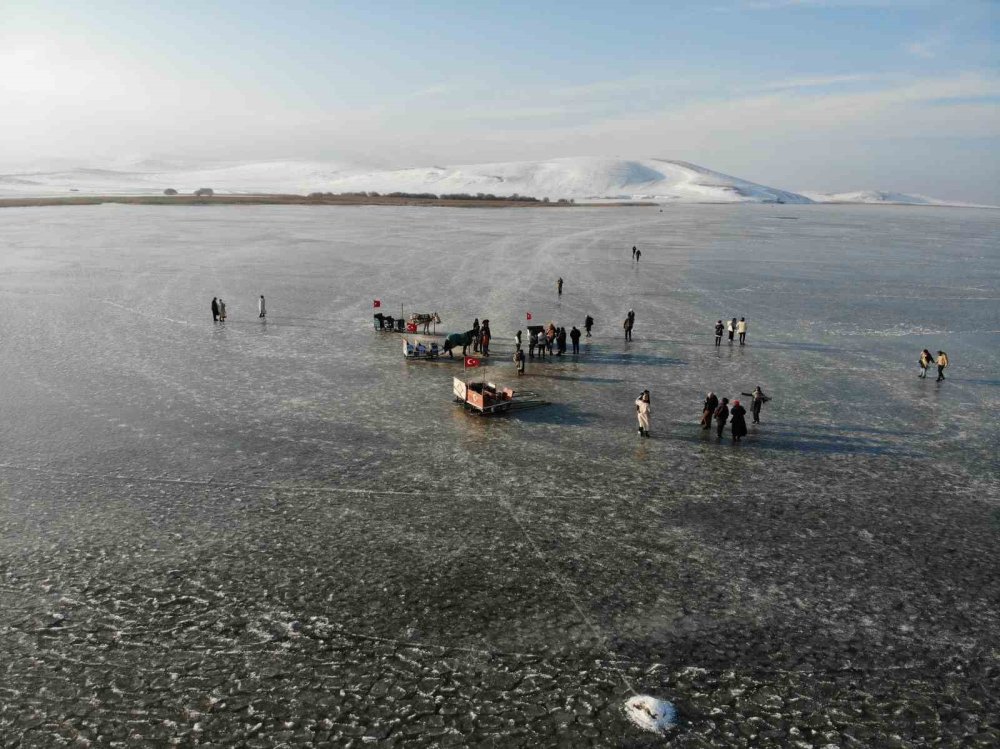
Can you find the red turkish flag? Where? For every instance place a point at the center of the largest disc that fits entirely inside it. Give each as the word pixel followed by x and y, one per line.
pixel 411 327
pixel 471 361
pixel 378 303
pixel 529 315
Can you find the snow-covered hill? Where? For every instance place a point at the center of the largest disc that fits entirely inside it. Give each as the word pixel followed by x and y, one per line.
pixel 580 179
pixel 880 196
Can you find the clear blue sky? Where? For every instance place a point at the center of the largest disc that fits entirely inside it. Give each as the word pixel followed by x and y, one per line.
pixel 828 95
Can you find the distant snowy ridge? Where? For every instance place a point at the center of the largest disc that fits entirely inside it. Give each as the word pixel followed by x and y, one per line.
pixel 885 198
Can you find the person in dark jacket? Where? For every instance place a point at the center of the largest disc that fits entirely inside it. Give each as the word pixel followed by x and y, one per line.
pixel 633 252
pixel 719 330
pixel 721 416
pixel 484 338
pixel 738 424
pixel 588 323
pixel 759 399
pixel 711 403
pixel 561 341
pixel 574 336
pixel 475 335
pixel 638 255
pixel 559 285
pixel 215 309
pixel 926 359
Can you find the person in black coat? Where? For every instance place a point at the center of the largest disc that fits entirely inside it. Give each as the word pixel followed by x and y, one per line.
pixel 719 330
pixel 588 323
pixel 721 416
pixel 561 341
pixel 711 403
pixel 475 335
pixel 738 423
pixel 574 336
pixel 215 309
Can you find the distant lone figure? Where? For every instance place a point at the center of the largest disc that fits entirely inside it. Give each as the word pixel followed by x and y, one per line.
pixel 215 309
pixel 588 324
pixel 741 328
pixel 942 362
pixel 262 307
pixel 574 336
pixel 222 311
pixel 739 423
pixel 721 416
pixel 628 327
pixel 559 285
pixel 711 403
pixel 643 411
pixel 926 359
pixel 719 329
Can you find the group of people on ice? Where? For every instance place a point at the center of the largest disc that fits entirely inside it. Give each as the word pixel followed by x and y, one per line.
pixel 926 359
pixel 722 412
pixel 219 309
pixel 735 327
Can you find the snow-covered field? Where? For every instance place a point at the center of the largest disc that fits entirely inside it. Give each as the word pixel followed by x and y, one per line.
pixel 582 179
pixel 281 532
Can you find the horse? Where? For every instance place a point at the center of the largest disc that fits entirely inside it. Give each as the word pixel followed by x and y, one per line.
pixel 459 339
pixel 425 319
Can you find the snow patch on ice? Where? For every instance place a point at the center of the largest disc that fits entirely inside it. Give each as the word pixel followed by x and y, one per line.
pixel 651 714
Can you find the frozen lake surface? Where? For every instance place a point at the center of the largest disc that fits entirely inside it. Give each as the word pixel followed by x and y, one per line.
pixel 264 533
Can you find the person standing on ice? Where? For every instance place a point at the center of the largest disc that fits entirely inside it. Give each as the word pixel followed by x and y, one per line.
pixel 731 328
pixel 519 361
pixel 559 285
pixel 643 412
pixel 638 255
pixel 741 328
pixel 475 335
pixel 588 323
pixel 262 307
pixel 711 403
pixel 484 338
pixel 634 250
pixel 721 416
pixel 942 362
pixel 215 309
pixel 719 329
pixel 561 341
pixel 222 311
pixel 759 399
pixel 738 424
pixel 517 341
pixel 926 359
pixel 574 336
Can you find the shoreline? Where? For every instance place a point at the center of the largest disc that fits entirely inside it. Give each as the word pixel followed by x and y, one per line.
pixel 282 199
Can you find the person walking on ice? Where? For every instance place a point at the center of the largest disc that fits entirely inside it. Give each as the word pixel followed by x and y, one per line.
pixel 759 399
pixel 588 323
pixel 741 328
pixel 559 284
pixel 629 322
pixel 643 411
pixel 942 362
pixel 638 255
pixel 926 359
pixel 634 250
pixel 215 309
pixel 574 336
pixel 719 330
pixel 731 329
pixel 262 308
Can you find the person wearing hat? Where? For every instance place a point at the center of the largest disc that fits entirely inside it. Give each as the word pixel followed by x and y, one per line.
pixel 738 423
pixel 942 362
pixel 643 412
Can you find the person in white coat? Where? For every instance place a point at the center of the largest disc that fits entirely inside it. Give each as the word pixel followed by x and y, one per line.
pixel 741 328
pixel 643 412
pixel 262 307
